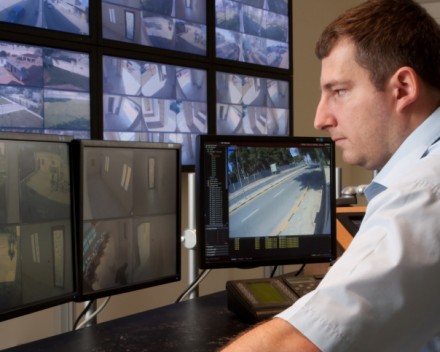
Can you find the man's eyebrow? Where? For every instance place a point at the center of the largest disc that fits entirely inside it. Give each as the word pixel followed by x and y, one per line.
pixel 331 84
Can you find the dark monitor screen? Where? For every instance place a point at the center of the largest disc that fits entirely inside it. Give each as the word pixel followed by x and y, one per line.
pixel 178 25
pixel 36 227
pixel 44 90
pixel 69 16
pixel 129 216
pixel 254 32
pixel 252 105
pixel 154 102
pixel 265 201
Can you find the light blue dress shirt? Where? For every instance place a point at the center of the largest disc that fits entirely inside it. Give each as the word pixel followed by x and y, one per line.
pixel 383 294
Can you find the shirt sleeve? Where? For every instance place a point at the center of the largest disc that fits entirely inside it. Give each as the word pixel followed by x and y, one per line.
pixel 383 293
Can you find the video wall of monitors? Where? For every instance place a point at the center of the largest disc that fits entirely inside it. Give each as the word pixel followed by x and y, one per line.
pixel 147 70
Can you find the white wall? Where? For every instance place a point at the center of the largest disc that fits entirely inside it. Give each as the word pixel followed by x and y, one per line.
pixel 433 7
pixel 310 17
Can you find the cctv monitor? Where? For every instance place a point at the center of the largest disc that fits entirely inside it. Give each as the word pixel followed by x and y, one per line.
pixel 170 25
pixel 265 201
pixel 252 105
pixel 153 101
pixel 254 32
pixel 44 90
pixel 66 16
pixel 37 261
pixel 128 216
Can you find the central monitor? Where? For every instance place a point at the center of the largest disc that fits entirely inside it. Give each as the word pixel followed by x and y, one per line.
pixel 265 201
pixel 129 216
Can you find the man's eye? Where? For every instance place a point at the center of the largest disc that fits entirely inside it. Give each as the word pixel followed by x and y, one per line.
pixel 340 92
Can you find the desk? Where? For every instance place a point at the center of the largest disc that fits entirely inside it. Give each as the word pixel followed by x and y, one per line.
pixel 344 237
pixel 202 324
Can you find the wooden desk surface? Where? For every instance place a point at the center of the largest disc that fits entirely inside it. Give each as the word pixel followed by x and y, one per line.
pixel 344 237
pixel 199 325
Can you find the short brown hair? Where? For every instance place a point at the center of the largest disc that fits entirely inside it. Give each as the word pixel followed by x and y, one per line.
pixel 388 34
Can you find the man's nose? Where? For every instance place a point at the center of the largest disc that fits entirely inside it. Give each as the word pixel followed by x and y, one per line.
pixel 323 116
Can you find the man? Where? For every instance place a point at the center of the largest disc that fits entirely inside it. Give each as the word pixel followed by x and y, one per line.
pixel 380 98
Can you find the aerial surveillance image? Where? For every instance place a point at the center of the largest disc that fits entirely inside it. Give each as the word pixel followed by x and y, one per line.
pixel 129 217
pixel 154 102
pixel 255 32
pixel 35 223
pixel 252 105
pixel 167 24
pixel 44 90
pixel 70 16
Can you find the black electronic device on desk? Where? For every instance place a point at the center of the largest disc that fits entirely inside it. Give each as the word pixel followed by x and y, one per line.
pixel 255 300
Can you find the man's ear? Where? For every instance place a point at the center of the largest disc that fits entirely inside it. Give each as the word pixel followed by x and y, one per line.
pixel 405 84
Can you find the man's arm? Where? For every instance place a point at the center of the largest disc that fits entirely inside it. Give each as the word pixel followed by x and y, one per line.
pixel 274 335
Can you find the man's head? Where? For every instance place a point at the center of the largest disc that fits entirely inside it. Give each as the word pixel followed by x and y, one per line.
pixel 380 78
pixel 388 34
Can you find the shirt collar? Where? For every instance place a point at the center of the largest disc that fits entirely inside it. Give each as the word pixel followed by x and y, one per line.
pixel 373 189
pixel 411 150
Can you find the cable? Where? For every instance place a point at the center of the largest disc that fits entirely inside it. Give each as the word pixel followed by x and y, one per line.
pixel 273 271
pixel 193 285
pixel 84 311
pixel 296 274
pixel 95 313
pixel 300 270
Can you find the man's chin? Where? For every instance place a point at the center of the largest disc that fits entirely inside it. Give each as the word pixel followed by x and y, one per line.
pixel 358 162
pixel 350 159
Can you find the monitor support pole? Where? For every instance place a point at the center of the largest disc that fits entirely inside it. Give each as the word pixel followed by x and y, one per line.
pixel 189 235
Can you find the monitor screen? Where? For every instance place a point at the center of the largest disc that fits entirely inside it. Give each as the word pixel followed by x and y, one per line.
pixel 265 201
pixel 253 31
pixel 154 102
pixel 36 231
pixel 178 25
pixel 252 105
pixel 69 16
pixel 44 90
pixel 129 216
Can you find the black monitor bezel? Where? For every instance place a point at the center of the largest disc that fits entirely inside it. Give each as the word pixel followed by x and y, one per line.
pixel 78 156
pixel 40 305
pixel 203 263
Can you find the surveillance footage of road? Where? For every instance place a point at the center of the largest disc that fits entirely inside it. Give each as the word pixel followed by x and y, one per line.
pixel 275 204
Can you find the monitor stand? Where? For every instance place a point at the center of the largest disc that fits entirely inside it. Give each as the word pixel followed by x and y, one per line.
pixel 189 238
